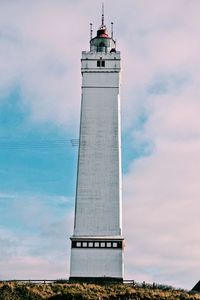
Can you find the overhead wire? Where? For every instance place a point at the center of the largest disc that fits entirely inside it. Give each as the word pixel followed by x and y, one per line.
pixel 37 144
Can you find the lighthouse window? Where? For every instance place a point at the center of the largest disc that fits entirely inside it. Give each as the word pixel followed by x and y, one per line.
pixel 97 244
pixel 100 63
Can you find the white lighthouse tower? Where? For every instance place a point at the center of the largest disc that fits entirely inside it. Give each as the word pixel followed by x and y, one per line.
pixel 97 242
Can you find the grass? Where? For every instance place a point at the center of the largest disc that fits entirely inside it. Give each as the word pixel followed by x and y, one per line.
pixel 66 291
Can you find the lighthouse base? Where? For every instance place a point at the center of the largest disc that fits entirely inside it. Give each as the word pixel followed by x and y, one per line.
pixel 96 264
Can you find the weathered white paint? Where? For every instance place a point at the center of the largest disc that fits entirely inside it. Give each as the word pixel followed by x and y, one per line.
pixel 96 263
pixel 98 195
pixel 98 182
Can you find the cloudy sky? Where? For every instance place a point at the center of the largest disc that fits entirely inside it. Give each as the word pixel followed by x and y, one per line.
pixel 40 46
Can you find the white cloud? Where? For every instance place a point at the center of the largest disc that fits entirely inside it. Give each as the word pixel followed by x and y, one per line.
pixel 161 191
pixel 40 54
pixel 161 217
pixel 36 243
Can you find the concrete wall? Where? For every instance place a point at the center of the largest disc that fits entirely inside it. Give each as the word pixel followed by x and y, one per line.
pixel 96 263
pixel 99 170
pixel 98 197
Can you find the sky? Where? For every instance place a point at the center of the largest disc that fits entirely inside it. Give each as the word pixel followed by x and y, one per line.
pixel 40 85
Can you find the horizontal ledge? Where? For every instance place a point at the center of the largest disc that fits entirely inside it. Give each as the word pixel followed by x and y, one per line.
pixel 100 87
pixel 94 238
pixel 99 58
pixel 99 71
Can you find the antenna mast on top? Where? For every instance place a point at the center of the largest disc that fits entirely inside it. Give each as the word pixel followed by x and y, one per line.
pixel 112 30
pixel 91 30
pixel 102 14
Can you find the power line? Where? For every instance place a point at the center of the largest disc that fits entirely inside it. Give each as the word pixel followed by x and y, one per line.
pixel 37 144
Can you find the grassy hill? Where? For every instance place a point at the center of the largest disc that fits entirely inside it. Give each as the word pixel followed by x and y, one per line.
pixel 55 291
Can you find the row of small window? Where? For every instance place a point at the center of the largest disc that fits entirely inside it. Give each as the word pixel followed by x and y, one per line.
pixel 100 63
pixel 96 244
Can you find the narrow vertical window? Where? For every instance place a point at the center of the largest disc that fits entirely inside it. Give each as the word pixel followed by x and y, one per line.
pixel 100 63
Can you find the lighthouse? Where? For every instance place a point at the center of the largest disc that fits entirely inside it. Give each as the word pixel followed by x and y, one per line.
pixel 97 242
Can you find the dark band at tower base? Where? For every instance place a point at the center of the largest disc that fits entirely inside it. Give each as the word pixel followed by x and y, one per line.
pixel 97 280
